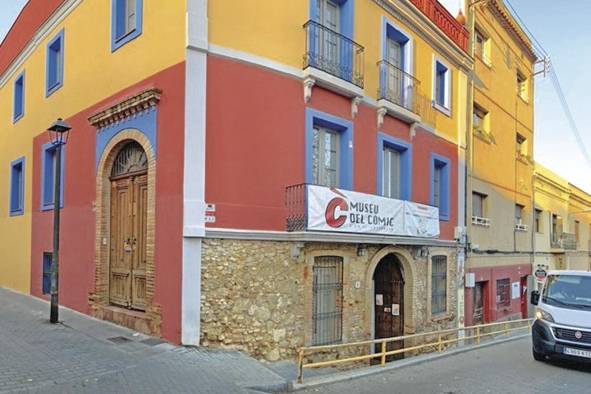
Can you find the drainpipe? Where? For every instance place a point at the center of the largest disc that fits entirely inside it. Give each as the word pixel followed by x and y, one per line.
pixel 465 156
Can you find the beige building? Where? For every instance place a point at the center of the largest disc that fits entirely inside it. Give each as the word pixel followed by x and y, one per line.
pixel 562 224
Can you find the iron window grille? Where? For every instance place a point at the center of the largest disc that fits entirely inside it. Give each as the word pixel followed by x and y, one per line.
pixel 46 284
pixel 503 293
pixel 439 285
pixel 327 291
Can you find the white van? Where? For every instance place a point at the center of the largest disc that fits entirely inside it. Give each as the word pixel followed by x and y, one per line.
pixel 562 328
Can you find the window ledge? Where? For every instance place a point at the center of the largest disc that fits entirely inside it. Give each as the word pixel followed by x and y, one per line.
pixel 485 136
pixel 398 111
pixel 487 63
pixel 17 212
pixel 330 82
pixel 442 316
pixel 524 99
pixel 444 110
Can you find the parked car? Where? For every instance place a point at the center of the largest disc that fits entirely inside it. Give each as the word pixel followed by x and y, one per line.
pixel 562 328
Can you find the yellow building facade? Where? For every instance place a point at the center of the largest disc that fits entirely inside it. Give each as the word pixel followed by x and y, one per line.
pixel 500 181
pixel 91 73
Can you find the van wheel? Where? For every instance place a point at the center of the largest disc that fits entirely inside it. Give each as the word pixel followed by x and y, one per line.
pixel 538 356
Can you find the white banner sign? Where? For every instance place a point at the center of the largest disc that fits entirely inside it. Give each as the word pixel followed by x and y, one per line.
pixel 351 212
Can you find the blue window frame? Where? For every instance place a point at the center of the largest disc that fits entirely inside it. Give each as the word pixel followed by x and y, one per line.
pixel 54 78
pixel 397 50
pixel 442 87
pixel 440 185
pixel 19 97
pixel 48 176
pixel 344 129
pixel 126 22
pixel 46 284
pixel 17 187
pixel 405 169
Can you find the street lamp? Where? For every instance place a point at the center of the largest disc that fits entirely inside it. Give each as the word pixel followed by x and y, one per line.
pixel 58 134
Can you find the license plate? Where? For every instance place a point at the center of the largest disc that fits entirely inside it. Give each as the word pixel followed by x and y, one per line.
pixel 577 352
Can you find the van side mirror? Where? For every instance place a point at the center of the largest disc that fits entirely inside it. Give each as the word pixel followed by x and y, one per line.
pixel 535 297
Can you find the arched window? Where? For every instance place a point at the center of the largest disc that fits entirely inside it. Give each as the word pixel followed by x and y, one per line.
pixel 130 160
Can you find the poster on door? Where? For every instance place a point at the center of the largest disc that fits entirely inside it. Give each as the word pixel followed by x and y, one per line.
pixel 335 210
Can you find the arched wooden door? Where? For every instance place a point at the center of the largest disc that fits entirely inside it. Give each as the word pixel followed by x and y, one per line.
pixel 389 303
pixel 129 204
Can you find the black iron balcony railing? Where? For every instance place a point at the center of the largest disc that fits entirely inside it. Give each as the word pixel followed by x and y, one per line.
pixel 333 53
pixel 401 88
pixel 295 201
pixel 398 86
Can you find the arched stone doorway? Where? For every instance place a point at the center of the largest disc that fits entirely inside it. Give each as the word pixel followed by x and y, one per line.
pixel 388 279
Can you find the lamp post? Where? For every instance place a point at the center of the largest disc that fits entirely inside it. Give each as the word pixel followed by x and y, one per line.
pixel 58 133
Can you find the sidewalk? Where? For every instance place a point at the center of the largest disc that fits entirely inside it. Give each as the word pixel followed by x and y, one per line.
pixel 85 355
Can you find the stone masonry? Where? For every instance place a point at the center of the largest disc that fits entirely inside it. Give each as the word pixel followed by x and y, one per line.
pixel 257 295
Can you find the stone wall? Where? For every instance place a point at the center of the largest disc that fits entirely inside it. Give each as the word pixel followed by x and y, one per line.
pixel 257 295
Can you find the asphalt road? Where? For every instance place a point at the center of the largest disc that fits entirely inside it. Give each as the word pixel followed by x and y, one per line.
pixel 505 368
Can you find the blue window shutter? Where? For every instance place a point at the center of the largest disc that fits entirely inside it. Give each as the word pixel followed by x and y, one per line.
pixel 120 18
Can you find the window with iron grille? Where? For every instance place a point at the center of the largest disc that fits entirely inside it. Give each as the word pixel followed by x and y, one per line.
pixel 439 285
pixel 327 289
pixel 503 293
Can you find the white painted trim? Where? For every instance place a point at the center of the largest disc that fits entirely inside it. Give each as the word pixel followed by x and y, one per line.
pixel 42 33
pixel 308 236
pixel 256 60
pixel 194 169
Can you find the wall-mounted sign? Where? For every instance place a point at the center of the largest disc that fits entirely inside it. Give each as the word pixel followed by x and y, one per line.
pixel 470 280
pixel 515 290
pixel 336 210
pixel 540 274
pixel 395 309
pixel 379 299
pixel 209 219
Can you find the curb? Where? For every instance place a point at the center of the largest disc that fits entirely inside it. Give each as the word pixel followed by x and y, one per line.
pixel 349 375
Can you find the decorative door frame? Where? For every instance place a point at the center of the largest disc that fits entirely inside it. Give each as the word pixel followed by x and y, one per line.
pixel 133 119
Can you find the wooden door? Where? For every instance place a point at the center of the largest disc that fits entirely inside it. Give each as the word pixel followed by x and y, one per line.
pixel 478 315
pixel 121 249
pixel 389 303
pixel 140 214
pixel 129 206
pixel 524 298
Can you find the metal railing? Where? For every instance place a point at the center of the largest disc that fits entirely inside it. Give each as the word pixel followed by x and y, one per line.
pixel 566 241
pixel 397 86
pixel 295 202
pixel 435 340
pixel 334 53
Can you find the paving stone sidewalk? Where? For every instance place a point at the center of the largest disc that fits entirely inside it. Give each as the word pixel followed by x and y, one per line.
pixel 85 355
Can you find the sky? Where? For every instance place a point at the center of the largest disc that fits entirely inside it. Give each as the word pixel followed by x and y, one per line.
pixel 561 27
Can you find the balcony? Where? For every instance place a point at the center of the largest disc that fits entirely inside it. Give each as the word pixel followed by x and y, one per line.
pixel 566 241
pixel 399 95
pixel 333 60
pixel 444 21
pixel 313 208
